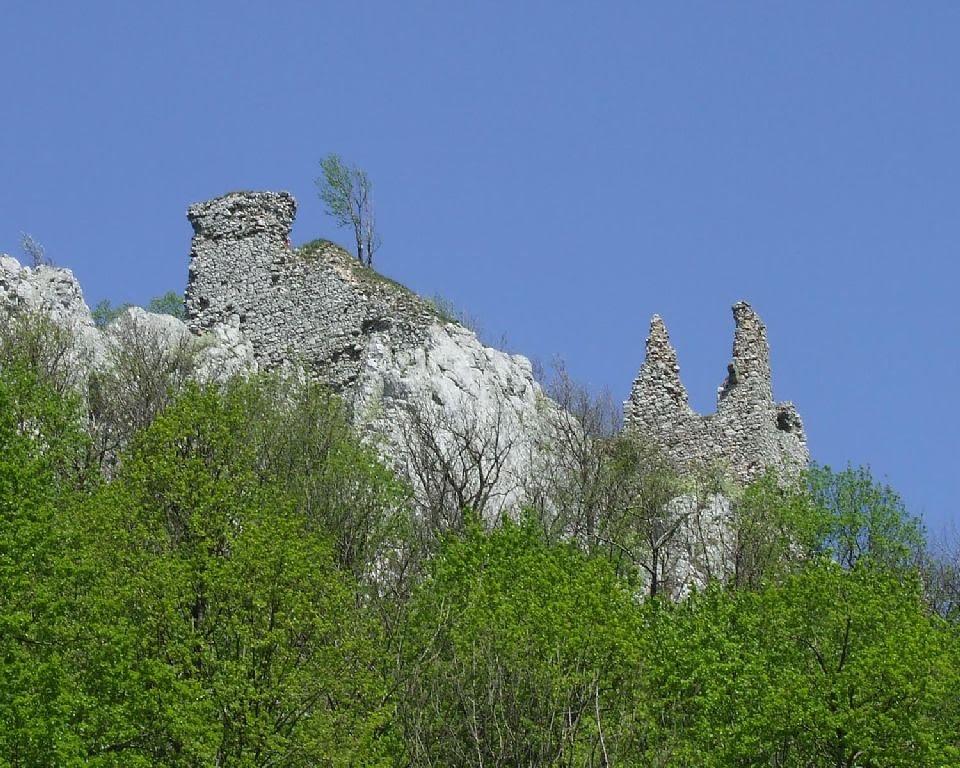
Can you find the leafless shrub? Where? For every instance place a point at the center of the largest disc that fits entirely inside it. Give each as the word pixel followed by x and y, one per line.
pixel 569 489
pixel 455 459
pixel 942 576
pixel 33 339
pixel 147 365
pixel 33 249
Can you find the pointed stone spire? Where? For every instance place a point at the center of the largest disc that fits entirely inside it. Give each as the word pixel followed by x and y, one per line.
pixel 748 373
pixel 657 392
pixel 661 362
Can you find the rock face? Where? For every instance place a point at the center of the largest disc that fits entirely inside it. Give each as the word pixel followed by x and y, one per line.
pixel 748 433
pixel 404 369
pixel 433 396
pixel 55 292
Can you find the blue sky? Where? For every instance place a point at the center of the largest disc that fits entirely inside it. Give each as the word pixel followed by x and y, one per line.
pixel 560 170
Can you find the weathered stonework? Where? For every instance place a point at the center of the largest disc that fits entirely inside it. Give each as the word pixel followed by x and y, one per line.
pixel 316 306
pixel 748 433
pixel 381 346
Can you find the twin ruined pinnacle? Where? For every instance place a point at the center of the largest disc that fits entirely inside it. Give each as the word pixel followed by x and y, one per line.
pixel 747 434
pixel 660 375
pixel 661 364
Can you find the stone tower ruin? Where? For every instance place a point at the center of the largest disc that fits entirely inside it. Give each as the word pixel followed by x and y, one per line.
pixel 316 305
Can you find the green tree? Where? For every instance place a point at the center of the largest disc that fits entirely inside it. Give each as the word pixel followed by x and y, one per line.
pixel 519 652
pixel 42 472
pixel 305 443
pixel 220 631
pixel 170 303
pixel 105 312
pixel 864 519
pixel 830 668
pixel 347 192
pixel 775 530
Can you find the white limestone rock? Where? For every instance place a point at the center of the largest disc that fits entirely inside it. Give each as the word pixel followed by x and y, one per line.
pixel 385 350
pixel 423 389
pixel 55 292
pixel 479 405
pixel 224 352
pixel 701 549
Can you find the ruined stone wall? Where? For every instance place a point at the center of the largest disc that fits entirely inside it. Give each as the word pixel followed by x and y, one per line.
pixel 316 305
pixel 319 307
pixel 748 432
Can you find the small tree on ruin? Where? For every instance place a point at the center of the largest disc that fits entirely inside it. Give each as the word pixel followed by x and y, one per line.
pixel 347 193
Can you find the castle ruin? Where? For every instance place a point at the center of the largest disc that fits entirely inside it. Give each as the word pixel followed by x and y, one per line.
pixel 748 433
pixel 319 307
pixel 315 305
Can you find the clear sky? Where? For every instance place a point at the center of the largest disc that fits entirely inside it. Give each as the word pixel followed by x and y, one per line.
pixel 560 170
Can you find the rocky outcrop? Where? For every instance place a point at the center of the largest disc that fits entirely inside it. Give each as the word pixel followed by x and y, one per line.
pixel 466 424
pixel 55 293
pixel 748 433
pixel 436 400
pixel 462 421
pixel 404 369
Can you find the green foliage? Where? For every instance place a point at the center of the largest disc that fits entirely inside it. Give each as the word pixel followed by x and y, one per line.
pixel 518 653
pixel 776 529
pixel 637 524
pixel 865 520
pixel 830 668
pixel 336 189
pixel 41 470
pixel 247 589
pixel 105 312
pixel 312 249
pixel 347 193
pixel 222 631
pixel 170 303
pixel 187 613
pixel 305 444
